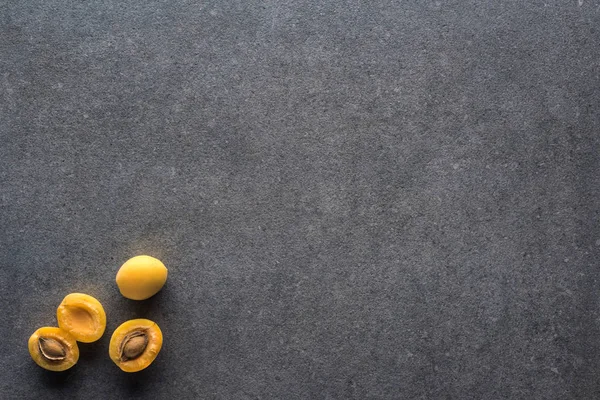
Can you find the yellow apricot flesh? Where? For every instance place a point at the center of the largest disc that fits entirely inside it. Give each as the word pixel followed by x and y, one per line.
pixel 82 316
pixel 53 349
pixel 135 344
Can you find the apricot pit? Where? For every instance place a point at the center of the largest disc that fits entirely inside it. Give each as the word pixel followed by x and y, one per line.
pixel 53 349
pixel 135 344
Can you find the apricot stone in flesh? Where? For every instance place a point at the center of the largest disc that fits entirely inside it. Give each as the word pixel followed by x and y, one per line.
pixel 135 344
pixel 53 349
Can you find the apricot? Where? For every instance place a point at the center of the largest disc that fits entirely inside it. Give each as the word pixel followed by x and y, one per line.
pixel 135 344
pixel 141 277
pixel 53 348
pixel 82 316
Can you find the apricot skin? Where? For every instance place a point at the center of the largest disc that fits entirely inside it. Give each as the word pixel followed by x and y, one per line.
pixel 155 339
pixel 141 277
pixel 67 340
pixel 82 316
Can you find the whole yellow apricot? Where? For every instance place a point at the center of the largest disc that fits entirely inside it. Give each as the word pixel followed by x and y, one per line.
pixel 82 316
pixel 141 277
pixel 53 349
pixel 135 344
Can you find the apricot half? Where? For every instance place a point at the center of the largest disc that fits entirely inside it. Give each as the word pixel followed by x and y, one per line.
pixel 135 344
pixel 82 316
pixel 141 277
pixel 53 349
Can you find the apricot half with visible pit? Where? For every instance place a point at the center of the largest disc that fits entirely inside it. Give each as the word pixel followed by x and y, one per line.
pixel 53 349
pixel 82 316
pixel 135 344
pixel 141 277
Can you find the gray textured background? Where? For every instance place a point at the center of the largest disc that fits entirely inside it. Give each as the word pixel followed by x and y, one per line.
pixel 355 199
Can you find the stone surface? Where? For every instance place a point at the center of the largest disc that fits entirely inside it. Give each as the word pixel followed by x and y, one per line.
pixel 355 199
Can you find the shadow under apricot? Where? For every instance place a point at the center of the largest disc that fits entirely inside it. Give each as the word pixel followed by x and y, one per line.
pixel 138 383
pixel 143 308
pixel 95 351
pixel 57 380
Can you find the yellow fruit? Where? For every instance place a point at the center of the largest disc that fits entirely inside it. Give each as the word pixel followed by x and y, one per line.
pixel 135 344
pixel 53 349
pixel 141 277
pixel 82 316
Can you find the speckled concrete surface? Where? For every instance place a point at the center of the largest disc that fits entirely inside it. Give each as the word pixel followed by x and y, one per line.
pixel 355 199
